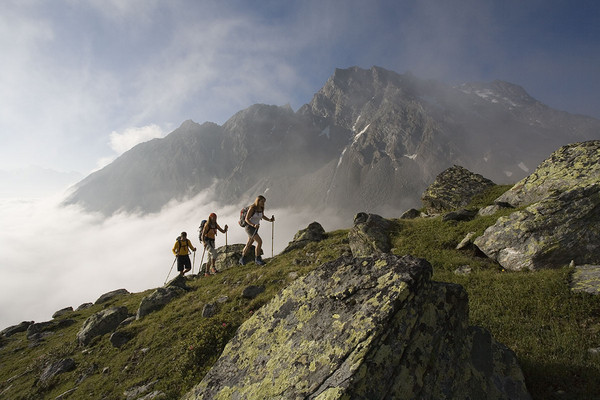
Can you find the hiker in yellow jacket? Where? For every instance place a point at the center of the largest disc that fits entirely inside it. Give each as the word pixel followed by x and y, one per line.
pixel 181 251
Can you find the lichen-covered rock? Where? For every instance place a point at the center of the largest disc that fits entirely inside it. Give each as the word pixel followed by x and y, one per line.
pixel 574 165
pixel 314 232
pixel 100 323
pixel 586 278
pixel 369 235
pixel 454 188
pixel 366 328
pixel 549 233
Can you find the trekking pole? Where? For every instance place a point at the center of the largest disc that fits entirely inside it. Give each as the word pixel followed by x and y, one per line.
pixel 170 270
pixel 272 234
pixel 201 260
pixel 193 263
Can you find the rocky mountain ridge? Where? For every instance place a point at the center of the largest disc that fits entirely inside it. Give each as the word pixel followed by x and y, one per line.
pixel 368 140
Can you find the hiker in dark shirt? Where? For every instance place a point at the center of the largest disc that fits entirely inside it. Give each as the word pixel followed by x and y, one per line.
pixel 208 238
pixel 181 251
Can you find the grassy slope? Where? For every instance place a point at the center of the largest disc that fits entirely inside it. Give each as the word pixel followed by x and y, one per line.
pixel 535 314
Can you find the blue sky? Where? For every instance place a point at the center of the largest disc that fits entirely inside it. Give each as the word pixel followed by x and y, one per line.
pixel 82 81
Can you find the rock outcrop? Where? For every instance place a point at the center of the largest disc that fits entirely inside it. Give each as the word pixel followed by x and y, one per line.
pixel 454 188
pixel 314 232
pixel 562 220
pixel 364 328
pixel 369 235
pixel 100 323
pixel 571 166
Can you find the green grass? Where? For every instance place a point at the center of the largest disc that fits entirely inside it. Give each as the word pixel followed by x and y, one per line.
pixel 534 313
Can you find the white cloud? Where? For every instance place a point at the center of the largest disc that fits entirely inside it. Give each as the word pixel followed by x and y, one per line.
pixel 121 142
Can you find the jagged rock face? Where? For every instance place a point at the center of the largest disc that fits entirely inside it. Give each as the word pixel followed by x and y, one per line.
pixel 577 164
pixel 562 222
pixel 370 328
pixel 549 233
pixel 369 139
pixel 452 189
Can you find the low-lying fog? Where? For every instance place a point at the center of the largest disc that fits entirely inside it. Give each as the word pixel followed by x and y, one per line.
pixel 52 257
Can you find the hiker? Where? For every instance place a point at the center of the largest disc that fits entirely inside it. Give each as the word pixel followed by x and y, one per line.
pixel 209 231
pixel 253 217
pixel 180 249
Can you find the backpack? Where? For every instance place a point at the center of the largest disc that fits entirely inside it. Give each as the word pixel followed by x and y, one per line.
pixel 201 229
pixel 243 213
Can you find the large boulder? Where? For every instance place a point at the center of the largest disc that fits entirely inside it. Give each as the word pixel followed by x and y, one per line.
pixel 100 323
pixel 561 221
pixel 548 234
pixel 454 188
pixel 369 235
pixel 574 165
pixel 364 328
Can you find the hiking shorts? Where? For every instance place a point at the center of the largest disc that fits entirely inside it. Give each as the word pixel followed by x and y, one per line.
pixel 210 247
pixel 250 230
pixel 183 262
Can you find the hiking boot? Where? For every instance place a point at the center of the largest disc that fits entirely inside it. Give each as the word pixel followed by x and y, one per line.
pixel 259 261
pixel 242 261
pixel 213 271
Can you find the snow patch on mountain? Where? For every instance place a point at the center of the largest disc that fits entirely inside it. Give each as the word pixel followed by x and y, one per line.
pixel 411 156
pixel 360 133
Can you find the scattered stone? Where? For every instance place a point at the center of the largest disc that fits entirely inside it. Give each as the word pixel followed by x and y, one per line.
pixel 452 189
pixel 62 312
pixel 222 299
pixel 120 338
pixel 136 392
pixel 467 242
pixel 251 292
pixel 110 295
pixel 179 281
pixel 314 232
pixel 369 235
pixel 460 215
pixel 411 214
pixel 586 278
pixel 364 328
pixel 38 331
pixel 11 330
pixel 464 270
pixel 158 299
pixel 209 310
pixel 101 323
pixel 56 368
pixel 127 321
pixel 84 306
